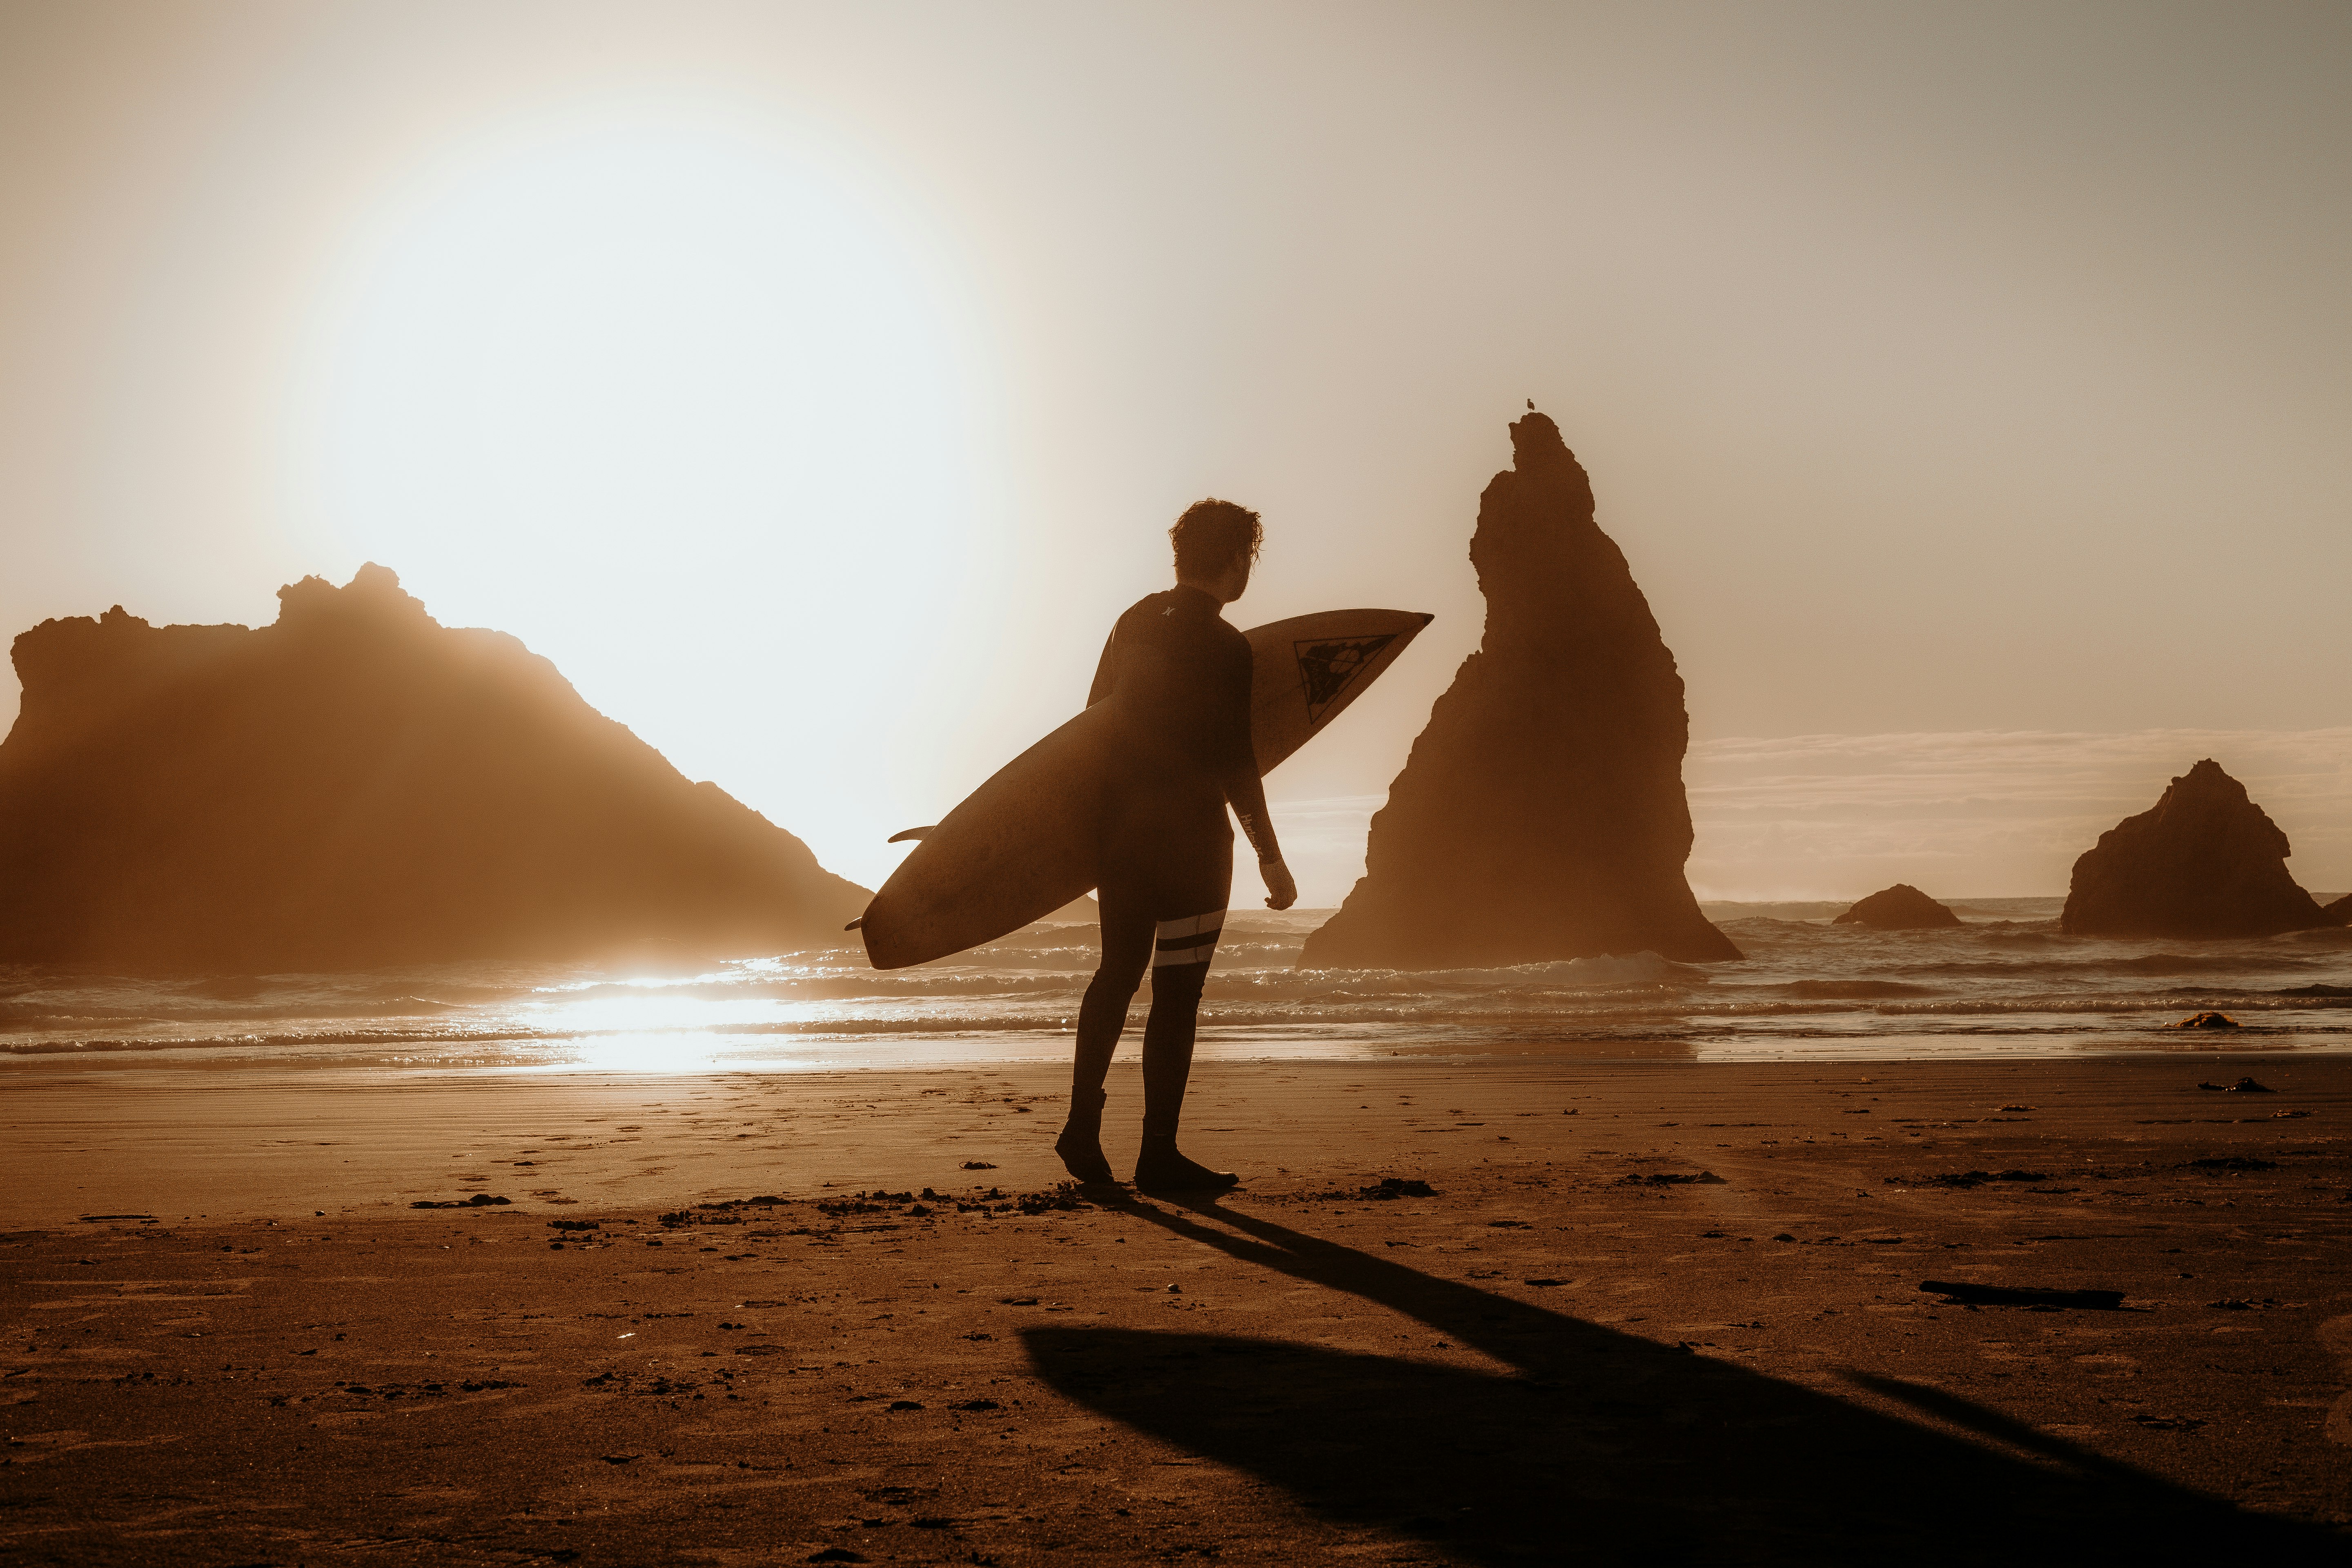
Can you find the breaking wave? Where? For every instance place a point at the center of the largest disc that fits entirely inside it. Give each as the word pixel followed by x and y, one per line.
pixel 1803 982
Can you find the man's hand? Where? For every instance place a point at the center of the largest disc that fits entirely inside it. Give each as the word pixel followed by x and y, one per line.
pixel 1281 891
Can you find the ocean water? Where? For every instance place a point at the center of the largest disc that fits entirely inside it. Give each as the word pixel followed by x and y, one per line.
pixel 2005 982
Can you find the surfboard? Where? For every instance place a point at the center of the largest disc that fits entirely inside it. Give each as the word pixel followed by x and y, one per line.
pixel 1022 844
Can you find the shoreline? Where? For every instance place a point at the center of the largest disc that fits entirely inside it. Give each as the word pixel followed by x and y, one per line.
pixel 715 1052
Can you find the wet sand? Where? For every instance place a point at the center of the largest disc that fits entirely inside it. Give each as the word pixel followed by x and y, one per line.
pixel 1561 1355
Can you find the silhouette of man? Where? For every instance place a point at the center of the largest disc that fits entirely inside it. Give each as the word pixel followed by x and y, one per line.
pixel 1177 678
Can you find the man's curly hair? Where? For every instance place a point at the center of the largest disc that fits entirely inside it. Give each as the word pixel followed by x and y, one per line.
pixel 1212 534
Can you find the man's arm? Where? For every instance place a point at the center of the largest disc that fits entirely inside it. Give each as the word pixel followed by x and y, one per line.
pixel 1237 775
pixel 1248 798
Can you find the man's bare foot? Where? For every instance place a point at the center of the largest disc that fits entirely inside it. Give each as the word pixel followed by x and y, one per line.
pixel 1080 1145
pixel 1082 1155
pixel 1161 1169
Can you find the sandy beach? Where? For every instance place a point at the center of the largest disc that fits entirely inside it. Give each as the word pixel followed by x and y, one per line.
pixel 1647 1312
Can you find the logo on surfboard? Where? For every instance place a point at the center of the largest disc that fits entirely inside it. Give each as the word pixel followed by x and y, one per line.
pixel 1329 667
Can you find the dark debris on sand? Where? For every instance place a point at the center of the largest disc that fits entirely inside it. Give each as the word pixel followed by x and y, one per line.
pixel 479 1200
pixel 1967 1178
pixel 1388 1189
pixel 1966 1294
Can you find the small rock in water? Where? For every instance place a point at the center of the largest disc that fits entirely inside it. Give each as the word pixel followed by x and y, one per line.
pixel 978 1166
pixel 1899 907
pixel 2207 1021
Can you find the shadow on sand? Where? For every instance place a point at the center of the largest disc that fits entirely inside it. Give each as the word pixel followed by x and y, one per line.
pixel 1607 1448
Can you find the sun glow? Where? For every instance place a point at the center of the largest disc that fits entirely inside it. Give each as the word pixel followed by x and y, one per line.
pixel 686 403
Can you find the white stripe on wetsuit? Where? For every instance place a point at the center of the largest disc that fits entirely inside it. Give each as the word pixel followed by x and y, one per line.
pixel 1193 940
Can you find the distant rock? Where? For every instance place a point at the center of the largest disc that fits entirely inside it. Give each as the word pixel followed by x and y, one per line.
pixel 2340 912
pixel 1899 907
pixel 2205 861
pixel 1541 814
pixel 354 787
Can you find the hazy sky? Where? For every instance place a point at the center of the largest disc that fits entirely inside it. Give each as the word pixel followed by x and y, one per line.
pixel 812 383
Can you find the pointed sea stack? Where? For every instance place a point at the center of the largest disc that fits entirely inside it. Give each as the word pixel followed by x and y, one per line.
pixel 357 785
pixel 1541 813
pixel 1899 907
pixel 2205 861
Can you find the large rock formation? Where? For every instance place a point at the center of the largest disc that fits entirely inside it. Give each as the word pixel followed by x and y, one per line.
pixel 2340 912
pixel 356 785
pixel 1541 814
pixel 2205 861
pixel 1899 907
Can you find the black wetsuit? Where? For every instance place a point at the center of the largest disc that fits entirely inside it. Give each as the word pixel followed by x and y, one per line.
pixel 1176 676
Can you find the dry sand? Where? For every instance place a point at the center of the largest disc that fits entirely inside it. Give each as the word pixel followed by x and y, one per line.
pixel 1557 1357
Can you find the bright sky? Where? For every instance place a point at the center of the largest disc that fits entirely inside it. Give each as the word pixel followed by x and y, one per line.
pixel 812 383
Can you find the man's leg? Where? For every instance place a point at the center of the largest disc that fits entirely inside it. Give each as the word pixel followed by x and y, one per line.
pixel 1102 1015
pixel 1179 968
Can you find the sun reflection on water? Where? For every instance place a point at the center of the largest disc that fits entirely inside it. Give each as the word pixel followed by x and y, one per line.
pixel 654 1012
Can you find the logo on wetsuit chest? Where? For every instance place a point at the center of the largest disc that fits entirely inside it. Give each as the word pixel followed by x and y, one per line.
pixel 1329 667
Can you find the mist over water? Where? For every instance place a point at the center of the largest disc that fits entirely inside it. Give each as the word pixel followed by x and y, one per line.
pixel 2006 982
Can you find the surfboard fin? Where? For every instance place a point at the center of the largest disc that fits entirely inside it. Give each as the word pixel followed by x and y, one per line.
pixel 910 833
pixel 855 924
